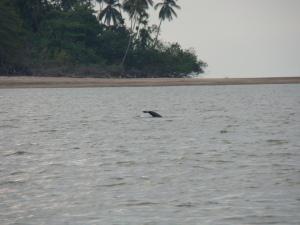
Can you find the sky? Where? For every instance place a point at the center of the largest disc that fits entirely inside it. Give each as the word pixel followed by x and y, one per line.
pixel 239 38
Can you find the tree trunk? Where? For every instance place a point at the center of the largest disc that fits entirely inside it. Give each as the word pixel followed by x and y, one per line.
pixel 129 43
pixel 127 50
pixel 156 38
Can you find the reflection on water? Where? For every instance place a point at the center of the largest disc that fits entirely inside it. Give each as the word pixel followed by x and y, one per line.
pixel 220 155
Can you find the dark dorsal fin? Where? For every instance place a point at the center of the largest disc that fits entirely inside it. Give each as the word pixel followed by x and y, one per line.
pixel 152 113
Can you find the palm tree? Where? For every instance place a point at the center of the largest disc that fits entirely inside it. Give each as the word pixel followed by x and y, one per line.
pixel 100 2
pixel 136 9
pixel 166 12
pixel 110 13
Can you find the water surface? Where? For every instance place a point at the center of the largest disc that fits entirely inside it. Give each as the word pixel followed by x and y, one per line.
pixel 220 155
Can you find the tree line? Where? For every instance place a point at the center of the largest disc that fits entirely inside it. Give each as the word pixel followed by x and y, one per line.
pixel 103 38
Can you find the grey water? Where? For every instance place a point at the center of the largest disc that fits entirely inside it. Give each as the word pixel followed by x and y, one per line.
pixel 221 155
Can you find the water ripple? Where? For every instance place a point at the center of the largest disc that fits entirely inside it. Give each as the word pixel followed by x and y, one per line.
pixel 84 156
pixel 17 153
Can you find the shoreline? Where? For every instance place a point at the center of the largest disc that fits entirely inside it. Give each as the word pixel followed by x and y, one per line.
pixel 69 82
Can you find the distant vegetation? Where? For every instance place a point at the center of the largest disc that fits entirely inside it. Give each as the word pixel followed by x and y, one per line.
pixel 90 38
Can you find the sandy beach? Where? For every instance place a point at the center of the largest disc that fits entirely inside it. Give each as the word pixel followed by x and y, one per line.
pixel 65 82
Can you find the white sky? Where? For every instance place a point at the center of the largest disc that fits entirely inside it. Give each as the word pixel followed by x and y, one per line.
pixel 240 38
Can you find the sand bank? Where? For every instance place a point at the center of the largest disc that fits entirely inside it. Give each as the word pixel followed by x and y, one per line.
pixel 65 82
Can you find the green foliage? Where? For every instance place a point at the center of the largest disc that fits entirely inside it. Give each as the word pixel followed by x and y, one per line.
pixel 67 37
pixel 112 44
pixel 136 7
pixel 10 38
pixel 167 9
pixel 169 61
pixel 67 5
pixel 31 12
pixel 111 13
